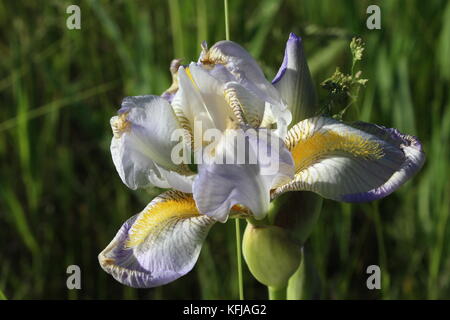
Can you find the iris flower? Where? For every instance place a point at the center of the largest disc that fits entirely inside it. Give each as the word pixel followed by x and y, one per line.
pixel 226 90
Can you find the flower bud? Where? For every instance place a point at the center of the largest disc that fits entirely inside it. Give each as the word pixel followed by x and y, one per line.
pixel 294 82
pixel 272 255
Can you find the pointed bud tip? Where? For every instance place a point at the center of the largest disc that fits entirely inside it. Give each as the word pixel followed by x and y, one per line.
pixel 294 37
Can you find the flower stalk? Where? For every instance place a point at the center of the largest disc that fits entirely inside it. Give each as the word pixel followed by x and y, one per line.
pixel 239 258
pixel 236 221
pixel 277 293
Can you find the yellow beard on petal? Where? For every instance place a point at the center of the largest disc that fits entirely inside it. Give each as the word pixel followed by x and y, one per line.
pixel 213 56
pixel 309 150
pixel 120 124
pixel 153 219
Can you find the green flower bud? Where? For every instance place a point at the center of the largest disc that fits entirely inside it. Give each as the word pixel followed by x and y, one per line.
pixel 272 255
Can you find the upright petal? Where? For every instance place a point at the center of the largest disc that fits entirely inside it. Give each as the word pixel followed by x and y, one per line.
pixel 158 245
pixel 212 93
pixel 244 68
pixel 220 185
pixel 249 75
pixel 142 132
pixel 360 162
pixel 294 81
pixel 188 103
pixel 247 107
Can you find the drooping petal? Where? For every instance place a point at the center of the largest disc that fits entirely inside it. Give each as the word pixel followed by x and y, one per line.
pixel 158 245
pixel 142 140
pixel 134 168
pixel 294 81
pixel 246 181
pixel 353 163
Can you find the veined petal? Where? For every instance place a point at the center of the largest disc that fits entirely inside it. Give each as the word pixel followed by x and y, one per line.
pixel 219 72
pixel 142 132
pixel 158 245
pixel 212 93
pixel 220 185
pixel 248 108
pixel 188 103
pixel 249 75
pixel 134 168
pixel 360 162
pixel 294 82
pixel 243 67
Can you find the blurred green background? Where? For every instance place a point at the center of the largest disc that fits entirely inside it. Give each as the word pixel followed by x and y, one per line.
pixel 61 200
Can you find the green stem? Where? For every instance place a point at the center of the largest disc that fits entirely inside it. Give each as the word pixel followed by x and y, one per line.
pixel 237 222
pixel 277 293
pixel 177 28
pixel 239 259
pixel 227 27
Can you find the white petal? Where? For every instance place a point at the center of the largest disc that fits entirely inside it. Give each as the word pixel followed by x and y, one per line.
pixel 281 116
pixel 177 181
pixel 248 108
pixel 218 187
pixel 250 76
pixel 142 132
pixel 356 163
pixel 159 245
pixel 188 102
pixel 133 167
pixel 245 69
pixel 212 93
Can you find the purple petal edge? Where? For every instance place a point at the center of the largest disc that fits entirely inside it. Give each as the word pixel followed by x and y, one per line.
pixel 138 276
pixel 411 166
pixel 293 40
pixel 168 96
